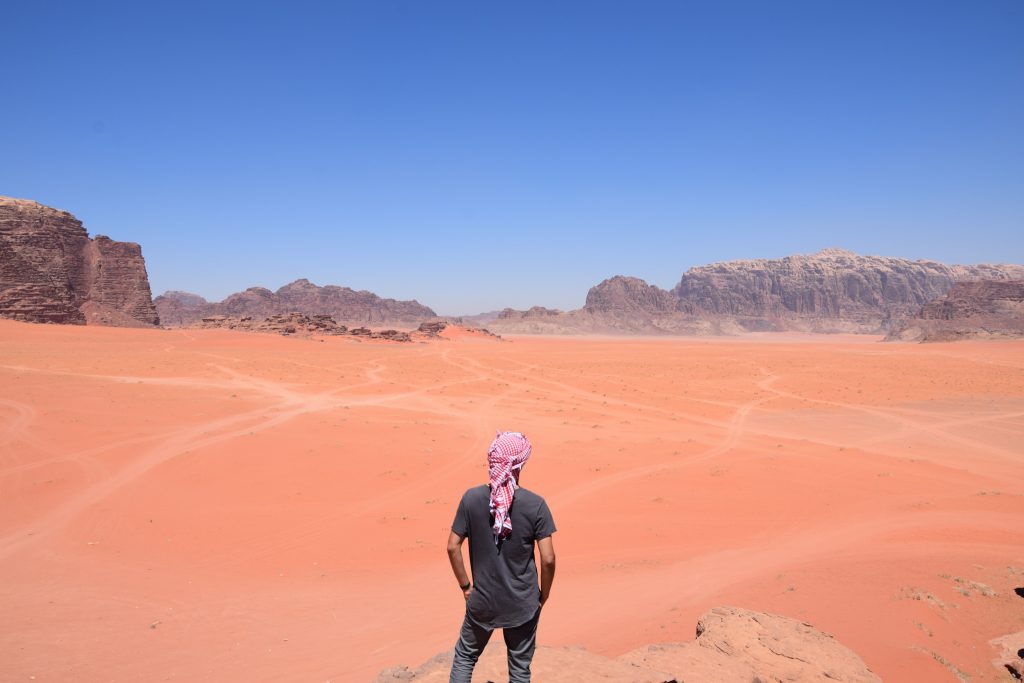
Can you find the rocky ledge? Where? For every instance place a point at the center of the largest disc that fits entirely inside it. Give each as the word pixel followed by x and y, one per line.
pixel 732 645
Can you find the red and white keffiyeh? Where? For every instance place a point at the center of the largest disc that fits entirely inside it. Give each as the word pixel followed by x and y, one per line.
pixel 505 459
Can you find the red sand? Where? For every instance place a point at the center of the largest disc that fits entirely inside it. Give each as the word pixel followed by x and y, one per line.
pixel 212 505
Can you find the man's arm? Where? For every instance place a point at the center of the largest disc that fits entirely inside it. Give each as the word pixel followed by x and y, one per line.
pixel 458 565
pixel 547 567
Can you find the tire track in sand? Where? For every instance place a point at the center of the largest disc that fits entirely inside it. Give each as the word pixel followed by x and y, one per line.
pixel 735 429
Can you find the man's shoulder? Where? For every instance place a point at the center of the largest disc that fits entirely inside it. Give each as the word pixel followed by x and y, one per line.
pixel 474 492
pixel 528 496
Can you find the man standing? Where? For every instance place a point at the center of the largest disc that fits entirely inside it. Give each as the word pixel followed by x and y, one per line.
pixel 502 521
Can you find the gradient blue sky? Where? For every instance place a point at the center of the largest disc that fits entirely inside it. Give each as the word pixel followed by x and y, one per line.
pixel 476 155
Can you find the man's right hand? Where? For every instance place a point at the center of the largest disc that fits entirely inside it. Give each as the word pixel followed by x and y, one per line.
pixel 466 593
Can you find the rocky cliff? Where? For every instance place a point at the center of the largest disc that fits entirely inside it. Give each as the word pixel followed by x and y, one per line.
pixel 969 310
pixel 341 303
pixel 831 291
pixel 50 271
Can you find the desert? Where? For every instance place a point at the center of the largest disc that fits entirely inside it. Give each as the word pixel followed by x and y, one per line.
pixel 199 504
pixel 406 342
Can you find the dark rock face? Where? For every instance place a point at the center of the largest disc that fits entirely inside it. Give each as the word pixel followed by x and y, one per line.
pixel 970 310
pixel 50 271
pixel 341 303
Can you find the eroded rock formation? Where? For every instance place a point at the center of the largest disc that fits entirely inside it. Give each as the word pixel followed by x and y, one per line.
pixel 341 303
pixel 991 309
pixel 50 271
pixel 732 645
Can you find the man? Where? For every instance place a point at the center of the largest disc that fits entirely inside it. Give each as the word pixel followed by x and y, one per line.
pixel 502 521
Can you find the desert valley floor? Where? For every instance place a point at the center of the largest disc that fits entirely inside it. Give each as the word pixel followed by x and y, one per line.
pixel 214 505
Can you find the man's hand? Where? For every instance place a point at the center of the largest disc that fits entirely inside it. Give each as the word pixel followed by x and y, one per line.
pixel 466 593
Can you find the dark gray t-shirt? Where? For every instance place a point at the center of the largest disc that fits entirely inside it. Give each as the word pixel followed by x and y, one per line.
pixel 505 591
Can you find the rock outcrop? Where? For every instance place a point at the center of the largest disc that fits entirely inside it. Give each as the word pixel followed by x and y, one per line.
pixel 341 303
pixel 984 309
pixel 1011 655
pixel 51 271
pixel 732 645
pixel 735 644
pixel 831 291
pixel 297 323
pixel 432 329
pixel 442 329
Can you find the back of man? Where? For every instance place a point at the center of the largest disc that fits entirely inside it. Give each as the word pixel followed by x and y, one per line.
pixel 503 522
pixel 505 588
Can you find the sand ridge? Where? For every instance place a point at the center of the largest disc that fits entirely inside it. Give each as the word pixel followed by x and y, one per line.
pixel 215 505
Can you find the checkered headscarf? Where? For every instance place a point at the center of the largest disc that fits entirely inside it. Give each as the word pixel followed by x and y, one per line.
pixel 505 459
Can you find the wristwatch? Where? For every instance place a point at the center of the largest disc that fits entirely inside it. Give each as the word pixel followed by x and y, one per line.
pixel 466 587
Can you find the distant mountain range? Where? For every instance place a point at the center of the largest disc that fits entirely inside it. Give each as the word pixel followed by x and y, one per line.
pixel 341 303
pixel 51 271
pixel 833 290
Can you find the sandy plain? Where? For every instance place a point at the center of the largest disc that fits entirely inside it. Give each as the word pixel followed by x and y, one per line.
pixel 213 505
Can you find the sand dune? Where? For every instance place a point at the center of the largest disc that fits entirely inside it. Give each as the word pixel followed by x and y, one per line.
pixel 212 505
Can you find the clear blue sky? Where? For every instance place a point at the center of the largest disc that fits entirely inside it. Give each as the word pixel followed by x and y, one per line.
pixel 476 155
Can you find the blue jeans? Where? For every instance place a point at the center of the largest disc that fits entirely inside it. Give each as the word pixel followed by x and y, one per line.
pixel 520 640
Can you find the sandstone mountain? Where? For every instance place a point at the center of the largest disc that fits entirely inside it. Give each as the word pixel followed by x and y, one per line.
pixel 302 296
pixel 832 284
pixel 732 645
pixel 51 271
pixel 830 291
pixel 990 309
